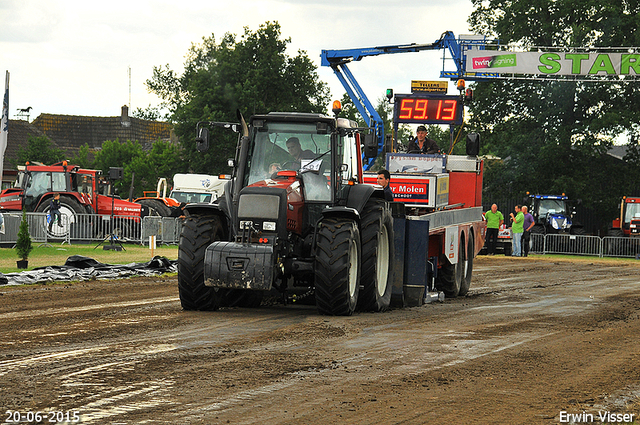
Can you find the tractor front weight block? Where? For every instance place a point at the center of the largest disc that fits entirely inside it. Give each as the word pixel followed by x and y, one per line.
pixel 239 266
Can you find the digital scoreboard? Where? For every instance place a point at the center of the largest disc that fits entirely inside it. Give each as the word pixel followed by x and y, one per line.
pixel 427 109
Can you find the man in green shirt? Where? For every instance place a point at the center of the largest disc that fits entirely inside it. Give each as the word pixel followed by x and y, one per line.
pixel 517 228
pixel 494 221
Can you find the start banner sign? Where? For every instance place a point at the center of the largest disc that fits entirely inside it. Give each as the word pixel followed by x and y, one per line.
pixel 587 63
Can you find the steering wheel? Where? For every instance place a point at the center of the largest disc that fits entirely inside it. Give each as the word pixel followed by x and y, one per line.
pixel 290 165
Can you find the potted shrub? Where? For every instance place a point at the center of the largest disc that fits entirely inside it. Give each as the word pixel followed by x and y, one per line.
pixel 23 245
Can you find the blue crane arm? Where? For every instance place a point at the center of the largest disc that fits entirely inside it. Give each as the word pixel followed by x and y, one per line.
pixel 447 40
pixel 338 59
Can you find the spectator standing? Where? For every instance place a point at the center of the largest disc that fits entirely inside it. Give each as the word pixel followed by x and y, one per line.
pixel 527 225
pixel 517 228
pixel 54 207
pixel 494 221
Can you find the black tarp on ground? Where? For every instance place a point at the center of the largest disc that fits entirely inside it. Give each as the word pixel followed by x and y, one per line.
pixel 78 267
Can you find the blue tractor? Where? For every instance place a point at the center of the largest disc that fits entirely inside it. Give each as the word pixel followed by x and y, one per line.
pixel 553 214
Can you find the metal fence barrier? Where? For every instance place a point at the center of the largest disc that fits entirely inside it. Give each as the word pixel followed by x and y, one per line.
pixel 85 228
pixel 572 244
pixel 585 245
pixel 620 247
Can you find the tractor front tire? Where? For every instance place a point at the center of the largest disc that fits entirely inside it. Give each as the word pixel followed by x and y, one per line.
pixel 376 236
pixel 337 267
pixel 198 232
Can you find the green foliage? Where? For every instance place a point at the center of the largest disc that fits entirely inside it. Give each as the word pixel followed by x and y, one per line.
pixel 82 157
pixel 150 113
pixel 146 167
pixel 126 155
pixel 39 149
pixel 253 74
pixel 350 111
pixel 553 136
pixel 23 244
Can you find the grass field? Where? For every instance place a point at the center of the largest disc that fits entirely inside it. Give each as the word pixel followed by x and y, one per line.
pixel 57 254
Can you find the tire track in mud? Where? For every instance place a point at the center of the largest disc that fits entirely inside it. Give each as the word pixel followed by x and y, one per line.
pixel 92 368
pixel 158 364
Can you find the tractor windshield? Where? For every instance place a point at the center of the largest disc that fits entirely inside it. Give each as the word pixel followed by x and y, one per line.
pixel 40 182
pixel 632 212
pixel 553 206
pixel 292 146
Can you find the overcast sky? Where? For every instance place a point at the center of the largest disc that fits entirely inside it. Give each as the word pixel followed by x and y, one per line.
pixel 73 57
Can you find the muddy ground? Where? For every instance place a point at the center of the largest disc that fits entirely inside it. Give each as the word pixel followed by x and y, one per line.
pixel 536 340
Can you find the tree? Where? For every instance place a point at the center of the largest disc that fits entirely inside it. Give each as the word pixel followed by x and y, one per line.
pixel 146 167
pixel 128 155
pixel 82 157
pixel 39 149
pixel 150 113
pixel 23 243
pixel 252 74
pixel 553 135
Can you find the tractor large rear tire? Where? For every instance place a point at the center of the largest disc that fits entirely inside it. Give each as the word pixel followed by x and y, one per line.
pixel 376 236
pixel 69 210
pixel 156 207
pixel 337 267
pixel 198 232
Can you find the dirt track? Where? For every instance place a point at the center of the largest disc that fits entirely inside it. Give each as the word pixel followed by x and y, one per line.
pixel 534 338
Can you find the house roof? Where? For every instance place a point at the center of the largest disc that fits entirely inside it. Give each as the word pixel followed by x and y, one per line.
pixel 19 133
pixel 71 132
pixel 618 151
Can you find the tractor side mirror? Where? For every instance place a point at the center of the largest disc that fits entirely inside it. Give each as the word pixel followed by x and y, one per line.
pixel 370 146
pixel 202 140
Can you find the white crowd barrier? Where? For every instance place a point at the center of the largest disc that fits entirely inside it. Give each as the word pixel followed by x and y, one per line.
pixel 85 228
pixel 585 245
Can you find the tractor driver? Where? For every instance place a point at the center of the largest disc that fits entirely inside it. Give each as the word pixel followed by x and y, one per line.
pixel 295 150
pixel 297 154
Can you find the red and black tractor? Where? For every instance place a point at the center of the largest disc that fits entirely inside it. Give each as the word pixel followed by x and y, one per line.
pixel 295 221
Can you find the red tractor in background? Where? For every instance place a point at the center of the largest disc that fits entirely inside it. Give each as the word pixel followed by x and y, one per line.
pixel 157 201
pixel 628 223
pixel 81 191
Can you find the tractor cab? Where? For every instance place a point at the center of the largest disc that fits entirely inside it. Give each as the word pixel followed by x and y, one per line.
pixel 304 146
pixel 313 159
